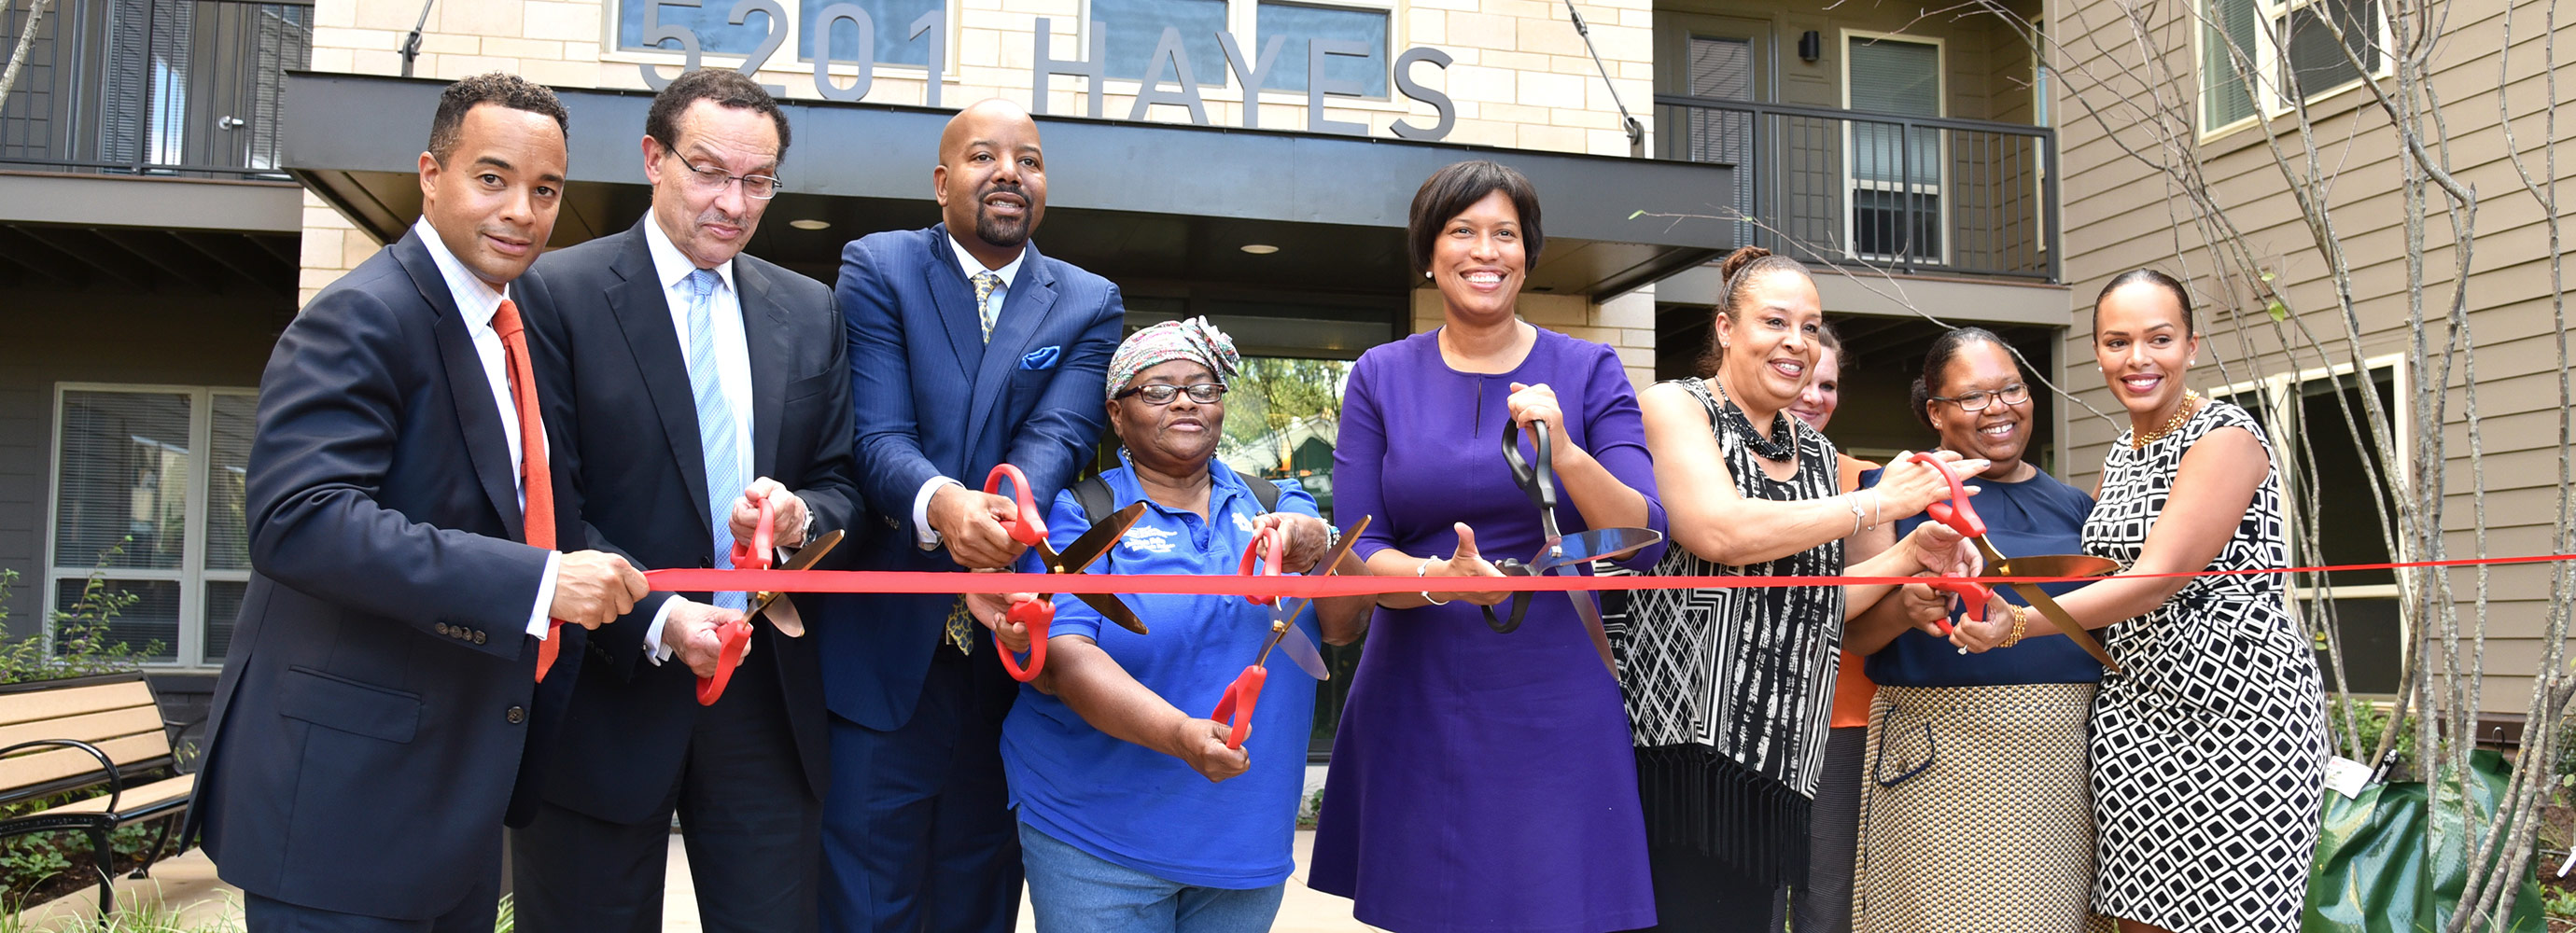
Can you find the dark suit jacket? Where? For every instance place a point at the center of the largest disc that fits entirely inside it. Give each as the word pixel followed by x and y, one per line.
pixel 933 399
pixel 619 379
pixel 368 727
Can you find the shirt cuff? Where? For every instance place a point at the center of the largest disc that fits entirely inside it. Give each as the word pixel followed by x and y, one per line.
pixel 537 621
pixel 924 536
pixel 654 649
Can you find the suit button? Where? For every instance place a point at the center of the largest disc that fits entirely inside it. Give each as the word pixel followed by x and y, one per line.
pixel 478 636
pixel 891 523
pixel 442 628
pixel 706 562
pixel 516 715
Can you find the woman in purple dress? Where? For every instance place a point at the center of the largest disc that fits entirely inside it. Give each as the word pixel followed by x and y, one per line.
pixel 1482 781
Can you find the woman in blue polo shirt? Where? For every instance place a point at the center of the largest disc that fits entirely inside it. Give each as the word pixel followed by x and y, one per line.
pixel 1977 759
pixel 1134 816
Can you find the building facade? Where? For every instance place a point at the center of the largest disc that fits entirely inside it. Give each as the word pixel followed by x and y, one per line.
pixel 2143 99
pixel 1908 158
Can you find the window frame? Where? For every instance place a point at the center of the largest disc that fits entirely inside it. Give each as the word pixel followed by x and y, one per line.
pixel 2271 100
pixel 1941 146
pixel 2279 393
pixel 187 650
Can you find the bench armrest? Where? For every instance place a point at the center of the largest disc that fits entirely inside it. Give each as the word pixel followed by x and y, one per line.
pixel 177 731
pixel 115 779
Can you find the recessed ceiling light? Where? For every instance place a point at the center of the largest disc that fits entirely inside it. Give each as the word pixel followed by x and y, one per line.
pixel 1260 249
pixel 809 224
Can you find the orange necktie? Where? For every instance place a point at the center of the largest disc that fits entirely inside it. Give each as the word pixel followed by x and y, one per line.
pixel 534 477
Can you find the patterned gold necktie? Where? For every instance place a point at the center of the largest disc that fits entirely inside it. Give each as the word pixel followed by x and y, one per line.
pixel 985 282
pixel 961 627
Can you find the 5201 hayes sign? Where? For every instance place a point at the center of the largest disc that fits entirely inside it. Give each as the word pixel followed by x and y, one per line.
pixel 757 30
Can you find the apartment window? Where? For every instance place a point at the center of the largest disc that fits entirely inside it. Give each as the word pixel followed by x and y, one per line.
pixel 1136 26
pixel 2320 460
pixel 1895 168
pixel 148 488
pixel 2252 52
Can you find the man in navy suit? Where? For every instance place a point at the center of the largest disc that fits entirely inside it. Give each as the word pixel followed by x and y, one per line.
pixel 967 349
pixel 369 726
pixel 683 369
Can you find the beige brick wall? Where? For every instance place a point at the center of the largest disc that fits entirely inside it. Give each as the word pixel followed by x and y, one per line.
pixel 332 246
pixel 1521 79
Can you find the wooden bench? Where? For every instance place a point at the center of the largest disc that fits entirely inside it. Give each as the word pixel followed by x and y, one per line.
pixel 58 736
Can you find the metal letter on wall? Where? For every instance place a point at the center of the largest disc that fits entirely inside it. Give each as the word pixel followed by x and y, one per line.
pixel 1252 77
pixel 1045 65
pixel 1317 52
pixel 1150 92
pixel 655 34
pixel 823 52
pixel 1445 110
pixel 935 23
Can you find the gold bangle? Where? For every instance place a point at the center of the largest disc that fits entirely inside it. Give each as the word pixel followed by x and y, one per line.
pixel 2021 622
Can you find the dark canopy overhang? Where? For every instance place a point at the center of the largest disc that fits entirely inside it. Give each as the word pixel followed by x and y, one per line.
pixel 1134 201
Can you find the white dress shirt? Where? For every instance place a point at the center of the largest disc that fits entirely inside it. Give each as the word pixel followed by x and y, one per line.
pixel 477 301
pixel 733 373
pixel 922 534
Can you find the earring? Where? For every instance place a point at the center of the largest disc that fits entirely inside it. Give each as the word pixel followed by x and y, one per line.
pixel 1426 273
pixel 2194 361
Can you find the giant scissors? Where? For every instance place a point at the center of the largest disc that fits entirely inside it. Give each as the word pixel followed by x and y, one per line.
pixel 1561 554
pixel 1240 696
pixel 1029 528
pixel 734 638
pixel 1962 517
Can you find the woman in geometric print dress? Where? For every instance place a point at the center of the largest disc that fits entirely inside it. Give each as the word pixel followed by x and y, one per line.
pixel 2209 749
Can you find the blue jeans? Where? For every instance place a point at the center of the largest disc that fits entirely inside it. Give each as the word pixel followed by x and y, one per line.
pixel 1073 890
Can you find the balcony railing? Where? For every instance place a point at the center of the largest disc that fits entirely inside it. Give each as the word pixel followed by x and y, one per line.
pixel 188 88
pixel 1914 194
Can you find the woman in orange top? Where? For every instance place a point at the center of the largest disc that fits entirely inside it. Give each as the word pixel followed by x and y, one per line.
pixel 1824 905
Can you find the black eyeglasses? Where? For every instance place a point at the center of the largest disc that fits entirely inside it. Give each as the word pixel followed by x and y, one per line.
pixel 2014 394
pixel 1204 393
pixel 712 179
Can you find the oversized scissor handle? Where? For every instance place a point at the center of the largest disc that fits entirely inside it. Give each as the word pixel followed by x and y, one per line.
pixel 1264 553
pixel 733 637
pixel 1537 475
pixel 1028 528
pixel 1502 624
pixel 1236 707
pixel 1971 593
pixel 1956 512
pixel 1035 615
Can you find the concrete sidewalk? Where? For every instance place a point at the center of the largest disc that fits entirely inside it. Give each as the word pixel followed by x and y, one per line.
pixel 187 884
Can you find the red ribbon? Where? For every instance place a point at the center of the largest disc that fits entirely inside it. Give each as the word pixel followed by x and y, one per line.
pixel 950 583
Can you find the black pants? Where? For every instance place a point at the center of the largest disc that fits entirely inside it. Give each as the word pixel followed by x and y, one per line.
pixel 1825 904
pixel 1697 893
pixel 752 827
pixel 474 914
pixel 918 834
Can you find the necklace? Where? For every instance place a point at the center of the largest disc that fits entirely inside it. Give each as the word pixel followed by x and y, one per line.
pixel 2190 406
pixel 1780 447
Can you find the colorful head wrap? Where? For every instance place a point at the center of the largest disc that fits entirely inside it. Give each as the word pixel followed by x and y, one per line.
pixel 1192 339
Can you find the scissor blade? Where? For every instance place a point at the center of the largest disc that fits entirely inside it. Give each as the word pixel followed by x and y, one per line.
pixel 1591 613
pixel 1596 544
pixel 789 624
pixel 1301 649
pixel 2083 638
pixel 1079 555
pixel 1087 549
pixel 2047 605
pixel 2053 565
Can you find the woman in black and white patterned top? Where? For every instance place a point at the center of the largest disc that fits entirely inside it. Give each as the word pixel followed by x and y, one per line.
pixel 2209 749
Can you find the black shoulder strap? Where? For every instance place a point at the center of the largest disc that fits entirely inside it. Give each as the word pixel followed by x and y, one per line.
pixel 1262 489
pixel 1093 494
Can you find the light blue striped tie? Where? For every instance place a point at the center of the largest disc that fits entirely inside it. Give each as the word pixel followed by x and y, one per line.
pixel 715 424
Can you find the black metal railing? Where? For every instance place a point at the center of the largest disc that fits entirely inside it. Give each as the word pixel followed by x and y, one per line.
pixel 1915 194
pixel 189 88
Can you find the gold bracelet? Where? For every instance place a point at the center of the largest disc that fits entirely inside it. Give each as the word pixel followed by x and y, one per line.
pixel 2021 621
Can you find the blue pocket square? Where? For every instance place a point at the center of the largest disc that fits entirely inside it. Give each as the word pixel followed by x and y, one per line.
pixel 1041 358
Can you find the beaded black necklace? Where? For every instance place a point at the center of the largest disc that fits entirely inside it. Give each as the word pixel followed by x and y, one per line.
pixel 1780 447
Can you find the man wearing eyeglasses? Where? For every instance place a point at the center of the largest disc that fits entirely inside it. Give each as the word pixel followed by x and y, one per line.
pixel 967 349
pixel 699 383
